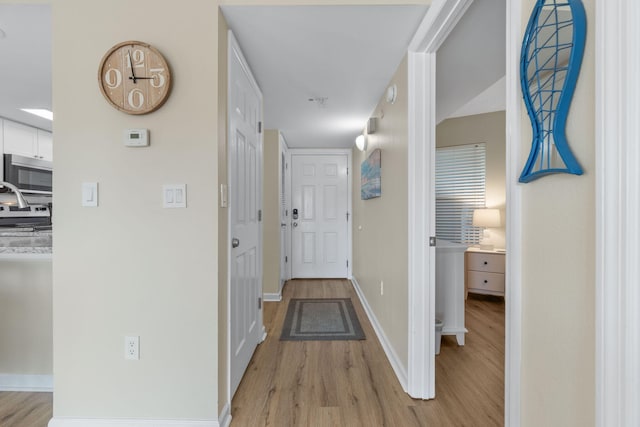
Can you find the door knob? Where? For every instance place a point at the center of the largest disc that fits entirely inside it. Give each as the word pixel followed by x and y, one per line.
pixel 235 242
pixel 295 224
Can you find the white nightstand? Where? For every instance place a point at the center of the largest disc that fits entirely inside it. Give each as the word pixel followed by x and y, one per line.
pixel 484 272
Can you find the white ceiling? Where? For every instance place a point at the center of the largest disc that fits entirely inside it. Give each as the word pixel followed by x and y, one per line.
pixel 346 54
pixel 472 58
pixel 25 67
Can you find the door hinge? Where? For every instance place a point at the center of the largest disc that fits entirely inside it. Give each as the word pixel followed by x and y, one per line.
pixel 347 171
pixel 259 127
pixel 259 303
pixel 432 241
pixel 347 263
pixel 347 216
pixel 260 215
pixel 286 259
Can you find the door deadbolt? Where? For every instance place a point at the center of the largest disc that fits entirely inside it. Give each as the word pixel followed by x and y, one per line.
pixel 235 242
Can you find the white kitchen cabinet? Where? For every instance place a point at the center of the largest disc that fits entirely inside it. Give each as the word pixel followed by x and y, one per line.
pixel 27 141
pixel 45 145
pixel 20 139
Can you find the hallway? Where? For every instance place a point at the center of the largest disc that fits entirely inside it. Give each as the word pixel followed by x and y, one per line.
pixel 351 383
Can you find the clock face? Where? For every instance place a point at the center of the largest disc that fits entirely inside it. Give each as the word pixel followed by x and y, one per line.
pixel 134 77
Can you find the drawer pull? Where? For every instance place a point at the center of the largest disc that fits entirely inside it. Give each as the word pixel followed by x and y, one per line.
pixel 486 281
pixel 485 263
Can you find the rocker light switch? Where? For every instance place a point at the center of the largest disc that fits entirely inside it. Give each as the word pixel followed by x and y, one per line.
pixel 90 194
pixel 174 196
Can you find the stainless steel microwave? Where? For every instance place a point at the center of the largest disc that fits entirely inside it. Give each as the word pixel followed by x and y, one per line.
pixel 28 174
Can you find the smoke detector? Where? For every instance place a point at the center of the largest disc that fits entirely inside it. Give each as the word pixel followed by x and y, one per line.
pixel 321 101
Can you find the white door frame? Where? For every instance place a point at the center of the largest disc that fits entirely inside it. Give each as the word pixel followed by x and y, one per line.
pixel 328 152
pixel 233 45
pixel 513 273
pixel 617 208
pixel 441 18
pixel 284 152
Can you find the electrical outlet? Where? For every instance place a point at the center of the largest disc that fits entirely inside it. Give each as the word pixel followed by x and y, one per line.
pixel 132 348
pixel 381 287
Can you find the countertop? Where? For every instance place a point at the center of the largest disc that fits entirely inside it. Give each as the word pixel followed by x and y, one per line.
pixel 16 244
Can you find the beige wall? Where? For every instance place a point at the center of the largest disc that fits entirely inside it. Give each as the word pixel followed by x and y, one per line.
pixel 25 318
pixel 223 213
pixel 130 267
pixel 558 276
pixel 380 233
pixel 490 129
pixel 271 213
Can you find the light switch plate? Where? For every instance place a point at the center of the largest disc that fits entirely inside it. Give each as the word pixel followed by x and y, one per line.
pixel 174 196
pixel 90 194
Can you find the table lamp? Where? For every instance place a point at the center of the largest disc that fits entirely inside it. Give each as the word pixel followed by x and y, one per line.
pixel 486 218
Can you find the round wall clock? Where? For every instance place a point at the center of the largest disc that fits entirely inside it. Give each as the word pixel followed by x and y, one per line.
pixel 134 77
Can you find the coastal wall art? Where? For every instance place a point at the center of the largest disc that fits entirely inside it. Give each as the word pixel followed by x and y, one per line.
pixel 370 176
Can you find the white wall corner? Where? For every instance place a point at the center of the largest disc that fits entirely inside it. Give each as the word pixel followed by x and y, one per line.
pixel 392 356
pixel 32 383
pixel 224 419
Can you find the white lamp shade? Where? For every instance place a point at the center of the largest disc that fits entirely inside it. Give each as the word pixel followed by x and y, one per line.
pixel 361 142
pixel 486 218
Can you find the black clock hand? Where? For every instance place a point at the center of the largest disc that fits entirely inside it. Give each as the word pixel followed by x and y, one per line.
pixel 142 78
pixel 133 74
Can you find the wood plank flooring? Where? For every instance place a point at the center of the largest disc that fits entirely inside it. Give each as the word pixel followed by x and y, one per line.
pixel 351 383
pixel 346 383
pixel 20 409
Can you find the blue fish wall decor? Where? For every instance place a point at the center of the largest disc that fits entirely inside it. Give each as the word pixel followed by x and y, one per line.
pixel 550 62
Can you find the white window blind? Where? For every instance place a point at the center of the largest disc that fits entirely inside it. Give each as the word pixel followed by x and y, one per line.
pixel 460 188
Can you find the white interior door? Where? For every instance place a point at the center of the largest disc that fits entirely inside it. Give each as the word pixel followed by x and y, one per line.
pixel 319 216
pixel 245 160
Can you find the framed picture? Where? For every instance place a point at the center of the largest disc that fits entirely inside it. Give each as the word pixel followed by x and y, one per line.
pixel 370 176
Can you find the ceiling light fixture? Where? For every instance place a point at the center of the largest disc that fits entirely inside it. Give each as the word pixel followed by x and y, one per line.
pixel 40 112
pixel 361 142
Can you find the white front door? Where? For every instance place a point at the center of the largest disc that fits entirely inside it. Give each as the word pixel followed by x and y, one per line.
pixel 319 216
pixel 245 160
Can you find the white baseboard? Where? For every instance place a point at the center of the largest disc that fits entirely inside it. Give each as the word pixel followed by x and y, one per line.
pixel 224 419
pixel 12 382
pixel 395 361
pixel 271 297
pixel 103 422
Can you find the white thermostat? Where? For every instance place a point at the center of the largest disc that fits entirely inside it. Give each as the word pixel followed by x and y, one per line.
pixel 136 137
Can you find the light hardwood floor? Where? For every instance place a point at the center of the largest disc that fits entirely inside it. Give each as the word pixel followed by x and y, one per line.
pixel 351 383
pixel 346 383
pixel 19 409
